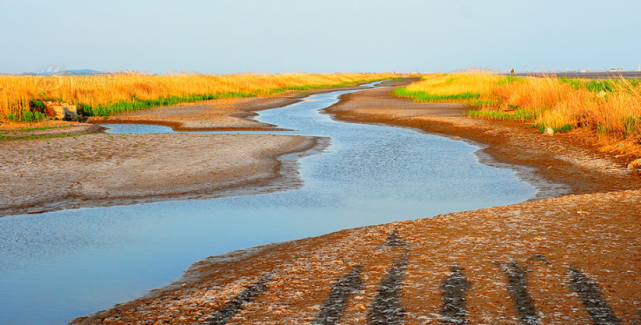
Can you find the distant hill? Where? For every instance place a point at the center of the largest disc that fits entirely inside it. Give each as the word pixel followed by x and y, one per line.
pixel 82 72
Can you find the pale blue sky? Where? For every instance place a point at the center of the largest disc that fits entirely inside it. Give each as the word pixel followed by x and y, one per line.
pixel 220 37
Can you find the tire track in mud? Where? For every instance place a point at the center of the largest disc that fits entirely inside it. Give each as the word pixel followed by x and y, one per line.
pixel 589 293
pixel 454 289
pixel 517 285
pixel 334 306
pixel 387 308
pixel 223 315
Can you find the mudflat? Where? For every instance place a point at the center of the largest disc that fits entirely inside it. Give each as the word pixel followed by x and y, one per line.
pixel 104 169
pixel 572 259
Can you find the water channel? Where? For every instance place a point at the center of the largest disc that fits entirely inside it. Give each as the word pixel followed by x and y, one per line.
pixel 60 265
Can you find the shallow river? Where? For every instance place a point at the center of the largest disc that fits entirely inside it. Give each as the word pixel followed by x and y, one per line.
pixel 60 265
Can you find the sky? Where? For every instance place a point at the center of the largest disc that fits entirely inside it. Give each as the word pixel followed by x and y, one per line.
pixel 278 36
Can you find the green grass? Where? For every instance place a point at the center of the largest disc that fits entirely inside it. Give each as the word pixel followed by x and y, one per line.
pixel 483 102
pixel 598 86
pixel 42 128
pixel 29 129
pixel 138 104
pixel 36 137
pixel 508 80
pixel 520 115
pixel 563 128
pixel 421 96
pixel 27 116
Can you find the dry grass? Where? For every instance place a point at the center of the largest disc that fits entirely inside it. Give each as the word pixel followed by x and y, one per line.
pixel 17 92
pixel 455 84
pixel 606 110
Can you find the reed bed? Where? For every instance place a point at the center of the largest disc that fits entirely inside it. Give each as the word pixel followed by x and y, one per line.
pixel 609 109
pixel 22 97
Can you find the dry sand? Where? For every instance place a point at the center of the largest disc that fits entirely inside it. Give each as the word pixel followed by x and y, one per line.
pixel 575 259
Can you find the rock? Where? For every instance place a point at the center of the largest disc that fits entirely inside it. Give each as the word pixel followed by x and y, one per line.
pixel 61 111
pixel 548 131
pixel 635 164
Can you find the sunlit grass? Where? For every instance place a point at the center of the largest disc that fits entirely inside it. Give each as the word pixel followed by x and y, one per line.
pixel 450 88
pixel 602 108
pixel 21 97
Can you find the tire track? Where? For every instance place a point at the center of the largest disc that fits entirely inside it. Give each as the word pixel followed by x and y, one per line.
pixel 454 289
pixel 387 309
pixel 223 315
pixel 334 306
pixel 589 293
pixel 517 285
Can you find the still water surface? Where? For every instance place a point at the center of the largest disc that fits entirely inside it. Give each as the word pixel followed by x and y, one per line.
pixel 61 265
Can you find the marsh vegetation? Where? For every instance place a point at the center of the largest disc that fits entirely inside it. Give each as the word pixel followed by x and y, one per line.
pixel 22 97
pixel 607 111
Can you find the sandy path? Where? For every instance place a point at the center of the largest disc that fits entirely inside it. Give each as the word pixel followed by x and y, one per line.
pixel 568 260
pixel 103 169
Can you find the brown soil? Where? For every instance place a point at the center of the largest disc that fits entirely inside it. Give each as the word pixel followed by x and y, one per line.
pixel 568 260
pixel 104 169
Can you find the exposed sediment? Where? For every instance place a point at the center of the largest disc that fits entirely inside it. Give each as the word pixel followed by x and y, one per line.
pixel 567 260
pixel 595 233
pixel 105 169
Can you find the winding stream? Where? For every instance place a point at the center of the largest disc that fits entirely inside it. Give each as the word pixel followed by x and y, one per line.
pixel 60 265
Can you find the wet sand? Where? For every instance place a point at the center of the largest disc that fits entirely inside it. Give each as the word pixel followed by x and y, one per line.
pixel 103 169
pixel 574 259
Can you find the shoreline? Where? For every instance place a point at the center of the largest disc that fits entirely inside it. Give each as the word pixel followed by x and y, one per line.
pixel 557 159
pixel 586 237
pixel 433 250
pixel 232 114
pixel 111 170
pixel 219 115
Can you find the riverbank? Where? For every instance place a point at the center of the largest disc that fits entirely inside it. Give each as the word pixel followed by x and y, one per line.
pixel 543 260
pixel 568 260
pixel 74 165
pixel 227 114
pixel 561 159
pixel 103 169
